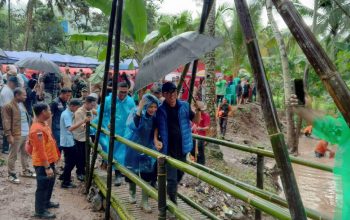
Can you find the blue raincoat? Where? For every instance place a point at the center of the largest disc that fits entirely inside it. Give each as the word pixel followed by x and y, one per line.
pixel 143 135
pixel 124 108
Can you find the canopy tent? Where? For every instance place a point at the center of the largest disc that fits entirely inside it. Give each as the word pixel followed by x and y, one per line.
pixel 63 59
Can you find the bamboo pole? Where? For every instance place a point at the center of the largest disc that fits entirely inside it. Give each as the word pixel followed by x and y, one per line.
pixel 263 152
pixel 114 104
pixel 289 182
pixel 161 188
pixel 204 17
pixel 198 207
pixel 313 214
pixel 317 57
pixel 104 91
pixel 87 155
pixel 259 180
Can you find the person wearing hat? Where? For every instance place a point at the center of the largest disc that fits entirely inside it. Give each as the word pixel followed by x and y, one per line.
pixel 6 96
pixel 201 128
pixel 81 116
pixel 173 135
pixel 67 141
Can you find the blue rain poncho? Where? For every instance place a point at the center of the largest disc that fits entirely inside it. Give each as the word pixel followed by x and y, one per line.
pixel 141 133
pixel 124 108
pixel 336 131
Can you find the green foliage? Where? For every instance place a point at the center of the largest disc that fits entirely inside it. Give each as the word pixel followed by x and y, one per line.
pixel 135 20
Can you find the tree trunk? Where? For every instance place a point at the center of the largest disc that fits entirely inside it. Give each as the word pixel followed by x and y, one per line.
pixel 210 76
pixel 30 7
pixel 210 97
pixel 291 136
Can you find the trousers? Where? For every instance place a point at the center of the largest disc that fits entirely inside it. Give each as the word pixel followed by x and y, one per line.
pixel 69 163
pixel 44 188
pixel 80 157
pixel 18 147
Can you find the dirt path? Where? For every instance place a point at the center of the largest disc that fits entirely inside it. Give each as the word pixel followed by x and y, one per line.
pixel 17 201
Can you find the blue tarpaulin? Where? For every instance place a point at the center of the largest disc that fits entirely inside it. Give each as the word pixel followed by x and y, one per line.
pixel 61 59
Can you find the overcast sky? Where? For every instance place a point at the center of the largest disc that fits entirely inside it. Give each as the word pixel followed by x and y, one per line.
pixel 194 6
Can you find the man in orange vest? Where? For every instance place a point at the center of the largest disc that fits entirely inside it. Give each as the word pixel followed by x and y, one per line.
pixel 44 155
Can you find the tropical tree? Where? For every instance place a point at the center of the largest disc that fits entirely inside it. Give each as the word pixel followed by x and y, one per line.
pixel 291 136
pixel 210 79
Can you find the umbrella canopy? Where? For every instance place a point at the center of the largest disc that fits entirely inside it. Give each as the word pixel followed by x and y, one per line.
pixel 178 50
pixel 2 53
pixel 39 63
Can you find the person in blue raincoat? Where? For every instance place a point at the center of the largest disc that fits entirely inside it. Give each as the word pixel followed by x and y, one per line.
pixel 140 129
pixel 125 104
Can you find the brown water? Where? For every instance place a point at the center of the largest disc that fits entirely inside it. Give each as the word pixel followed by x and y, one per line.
pixel 317 188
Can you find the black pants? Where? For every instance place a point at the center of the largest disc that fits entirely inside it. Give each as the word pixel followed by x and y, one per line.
pixel 174 176
pixel 44 188
pixel 80 157
pixel 200 155
pixel 223 125
pixel 69 163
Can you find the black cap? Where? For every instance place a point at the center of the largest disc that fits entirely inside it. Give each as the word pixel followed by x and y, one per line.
pixel 168 87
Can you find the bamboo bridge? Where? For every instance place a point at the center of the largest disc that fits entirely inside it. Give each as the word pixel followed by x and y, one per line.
pixel 263 201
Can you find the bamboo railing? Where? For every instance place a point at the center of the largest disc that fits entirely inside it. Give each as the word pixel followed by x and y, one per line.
pixel 263 152
pixel 217 179
pixel 265 206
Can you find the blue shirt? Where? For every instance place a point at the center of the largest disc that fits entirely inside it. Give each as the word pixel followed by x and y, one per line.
pixel 66 121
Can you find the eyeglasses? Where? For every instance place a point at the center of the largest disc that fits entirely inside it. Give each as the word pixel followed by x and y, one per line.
pixel 122 92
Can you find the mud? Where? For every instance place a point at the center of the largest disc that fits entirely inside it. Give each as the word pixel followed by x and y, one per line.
pixel 17 201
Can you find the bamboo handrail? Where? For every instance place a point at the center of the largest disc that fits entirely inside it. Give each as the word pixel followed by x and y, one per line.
pixel 114 202
pixel 256 150
pixel 313 214
pixel 145 186
pixel 263 152
pixel 266 206
pixel 198 207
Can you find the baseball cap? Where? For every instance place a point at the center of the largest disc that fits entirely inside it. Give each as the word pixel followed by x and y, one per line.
pixel 168 87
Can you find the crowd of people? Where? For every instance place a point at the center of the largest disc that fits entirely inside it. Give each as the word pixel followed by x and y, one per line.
pixel 44 116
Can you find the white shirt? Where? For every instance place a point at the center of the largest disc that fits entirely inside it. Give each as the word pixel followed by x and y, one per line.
pixel 6 95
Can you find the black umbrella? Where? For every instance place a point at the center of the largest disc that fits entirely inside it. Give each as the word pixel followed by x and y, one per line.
pixel 39 63
pixel 176 51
